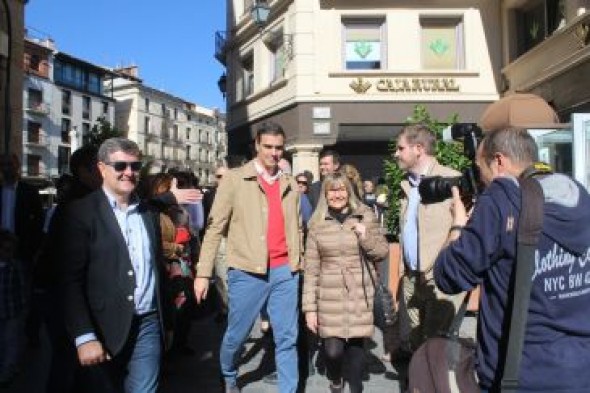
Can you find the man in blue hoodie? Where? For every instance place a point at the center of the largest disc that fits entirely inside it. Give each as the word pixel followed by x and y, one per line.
pixel 481 250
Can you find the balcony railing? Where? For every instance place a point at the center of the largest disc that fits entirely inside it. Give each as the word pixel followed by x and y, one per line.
pixel 39 108
pixel 221 42
pixel 39 140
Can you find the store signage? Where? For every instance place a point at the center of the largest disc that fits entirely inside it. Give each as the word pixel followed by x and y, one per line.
pixel 406 85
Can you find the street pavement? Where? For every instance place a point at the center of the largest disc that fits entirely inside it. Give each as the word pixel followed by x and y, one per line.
pixel 200 372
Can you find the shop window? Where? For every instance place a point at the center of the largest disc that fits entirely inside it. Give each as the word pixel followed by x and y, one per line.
pixel 364 46
pixel 442 43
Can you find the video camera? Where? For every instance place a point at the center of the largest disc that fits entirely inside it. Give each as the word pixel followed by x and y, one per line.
pixel 438 188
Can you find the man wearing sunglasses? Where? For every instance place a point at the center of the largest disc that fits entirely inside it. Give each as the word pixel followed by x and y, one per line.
pixel 110 247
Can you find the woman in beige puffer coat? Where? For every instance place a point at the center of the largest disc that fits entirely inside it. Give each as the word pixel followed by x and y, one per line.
pixel 338 286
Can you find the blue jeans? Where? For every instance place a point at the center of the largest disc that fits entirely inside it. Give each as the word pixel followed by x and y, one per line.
pixel 247 295
pixel 137 368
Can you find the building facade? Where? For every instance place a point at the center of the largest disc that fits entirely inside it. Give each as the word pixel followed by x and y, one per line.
pixel 169 129
pixel 11 74
pixel 347 74
pixel 63 98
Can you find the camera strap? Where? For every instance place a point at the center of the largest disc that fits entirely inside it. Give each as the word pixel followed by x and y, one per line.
pixel 529 231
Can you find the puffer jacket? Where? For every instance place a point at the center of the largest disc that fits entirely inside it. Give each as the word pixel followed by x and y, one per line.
pixel 337 284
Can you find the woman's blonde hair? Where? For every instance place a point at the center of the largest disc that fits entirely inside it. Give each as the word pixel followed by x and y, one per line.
pixel 355 179
pixel 335 179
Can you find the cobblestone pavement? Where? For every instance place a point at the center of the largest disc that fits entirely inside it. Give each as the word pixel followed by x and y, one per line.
pixel 199 373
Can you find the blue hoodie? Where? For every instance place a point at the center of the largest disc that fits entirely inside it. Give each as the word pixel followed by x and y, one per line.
pixel 556 354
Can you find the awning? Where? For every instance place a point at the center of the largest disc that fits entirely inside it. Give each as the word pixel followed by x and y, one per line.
pixel 519 110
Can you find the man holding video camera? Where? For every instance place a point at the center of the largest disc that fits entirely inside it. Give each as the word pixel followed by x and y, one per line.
pixel 423 310
pixel 482 250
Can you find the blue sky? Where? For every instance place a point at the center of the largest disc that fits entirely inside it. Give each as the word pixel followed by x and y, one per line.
pixel 172 42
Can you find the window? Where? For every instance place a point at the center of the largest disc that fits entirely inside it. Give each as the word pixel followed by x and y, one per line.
pixel 164 111
pixel 278 56
pixel 94 85
pixel 188 117
pixel 175 131
pixel 105 108
pixel 66 102
pixel 188 133
pixel 146 125
pixel 35 99
pixel 175 114
pixel 536 20
pixel 63 159
pixel 146 104
pixel 188 153
pixel 442 45
pixel 33 132
pixel 65 130
pixel 247 76
pixel 85 132
pixel 34 62
pixel 86 107
pixel 33 165
pixel 363 44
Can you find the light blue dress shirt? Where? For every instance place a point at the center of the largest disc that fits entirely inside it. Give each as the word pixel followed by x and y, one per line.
pixel 410 232
pixel 138 244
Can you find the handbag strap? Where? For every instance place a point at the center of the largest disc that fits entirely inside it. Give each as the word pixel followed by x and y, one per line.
pixel 529 230
pixel 453 331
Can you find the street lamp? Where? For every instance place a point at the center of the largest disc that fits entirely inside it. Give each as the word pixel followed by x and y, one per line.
pixel 260 11
pixel 222 84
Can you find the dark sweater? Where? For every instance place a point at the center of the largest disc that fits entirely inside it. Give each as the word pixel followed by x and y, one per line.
pixel 556 355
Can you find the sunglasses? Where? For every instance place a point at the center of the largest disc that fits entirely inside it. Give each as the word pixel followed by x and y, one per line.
pixel 120 166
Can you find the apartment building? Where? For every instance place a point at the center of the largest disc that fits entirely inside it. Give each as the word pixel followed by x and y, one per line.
pixel 63 97
pixel 169 129
pixel 347 74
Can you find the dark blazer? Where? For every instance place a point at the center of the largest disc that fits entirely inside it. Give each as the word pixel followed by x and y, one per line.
pixel 314 193
pixel 28 220
pixel 97 278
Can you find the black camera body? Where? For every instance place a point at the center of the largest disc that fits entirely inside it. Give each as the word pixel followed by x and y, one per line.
pixel 436 189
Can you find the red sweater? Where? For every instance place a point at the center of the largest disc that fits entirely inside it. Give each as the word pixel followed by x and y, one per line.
pixel 276 240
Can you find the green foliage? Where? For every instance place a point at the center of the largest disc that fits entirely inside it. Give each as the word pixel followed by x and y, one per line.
pixel 100 132
pixel 447 153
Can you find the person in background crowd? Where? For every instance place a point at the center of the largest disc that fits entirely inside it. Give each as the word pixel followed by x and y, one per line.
pixel 343 244
pixel 423 310
pixel 306 208
pixel 482 250
pixel 263 255
pixel 369 197
pixel 354 177
pixel 110 252
pixel 21 213
pixel 12 307
pixel 329 163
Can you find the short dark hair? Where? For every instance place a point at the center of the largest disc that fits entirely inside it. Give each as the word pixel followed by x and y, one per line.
pixel 269 128
pixel 114 145
pixel 515 143
pixel 331 153
pixel 84 157
pixel 420 134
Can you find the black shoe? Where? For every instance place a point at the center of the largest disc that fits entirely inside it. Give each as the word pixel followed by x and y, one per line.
pixel 271 379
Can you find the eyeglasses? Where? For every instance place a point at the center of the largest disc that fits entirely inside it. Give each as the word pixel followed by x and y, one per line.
pixel 120 166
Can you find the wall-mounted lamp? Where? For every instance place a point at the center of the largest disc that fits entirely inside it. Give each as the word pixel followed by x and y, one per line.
pixel 222 84
pixel 260 11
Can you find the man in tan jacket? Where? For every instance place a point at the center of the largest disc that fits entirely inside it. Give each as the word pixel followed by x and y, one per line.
pixel 424 311
pixel 257 205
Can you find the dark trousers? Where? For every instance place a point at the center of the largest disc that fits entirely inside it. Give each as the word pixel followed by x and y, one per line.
pixel 337 349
